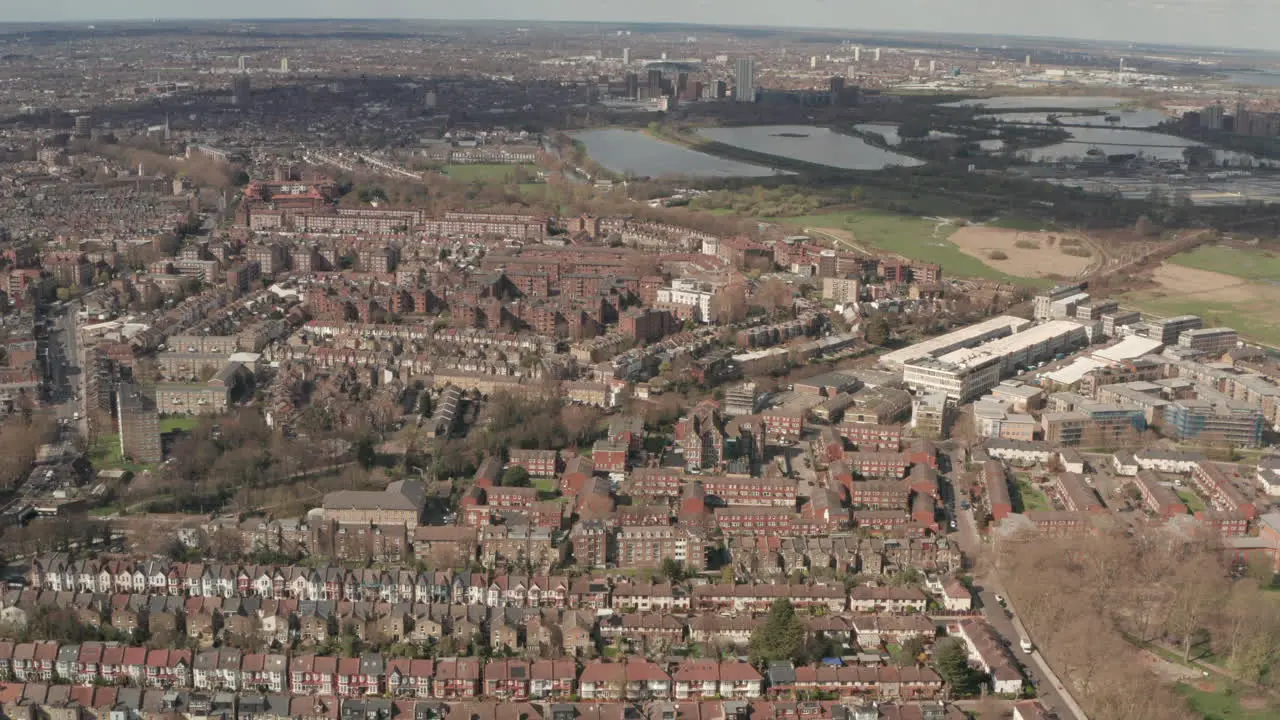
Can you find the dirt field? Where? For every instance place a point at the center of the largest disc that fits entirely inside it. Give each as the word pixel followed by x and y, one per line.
pixel 1223 300
pixel 1206 285
pixel 1045 261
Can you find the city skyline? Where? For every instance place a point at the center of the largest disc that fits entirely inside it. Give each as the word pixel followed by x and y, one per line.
pixel 1209 23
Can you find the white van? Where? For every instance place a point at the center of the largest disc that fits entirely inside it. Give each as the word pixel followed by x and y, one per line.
pixel 1027 647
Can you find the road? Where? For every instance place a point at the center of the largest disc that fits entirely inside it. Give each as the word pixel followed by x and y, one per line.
pixel 66 360
pixel 1048 687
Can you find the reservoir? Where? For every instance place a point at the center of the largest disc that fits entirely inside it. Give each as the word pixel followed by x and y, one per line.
pixel 1031 102
pixel 1143 118
pixel 1098 141
pixel 817 145
pixel 889 131
pixel 633 153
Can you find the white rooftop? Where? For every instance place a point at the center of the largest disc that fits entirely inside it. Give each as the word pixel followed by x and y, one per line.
pixel 1009 345
pixel 1127 349
pixel 943 343
pixel 1075 372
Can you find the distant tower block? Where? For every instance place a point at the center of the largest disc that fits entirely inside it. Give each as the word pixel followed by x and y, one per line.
pixel 83 126
pixel 1027 62
pixel 813 62
pixel 857 55
pixel 241 90
pixel 284 64
pixel 244 63
pixel 933 66
pixel 626 56
pixel 429 99
pixel 877 54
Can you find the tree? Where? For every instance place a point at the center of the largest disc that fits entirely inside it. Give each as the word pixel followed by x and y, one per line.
pixel 909 652
pixel 780 638
pixel 366 454
pixel 424 404
pixel 1146 227
pixel 672 570
pixel 729 304
pixel 951 660
pixel 878 332
pixel 1198 156
pixel 515 476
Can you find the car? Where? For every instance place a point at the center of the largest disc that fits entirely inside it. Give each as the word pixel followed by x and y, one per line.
pixel 1000 599
pixel 953 524
pixel 1027 647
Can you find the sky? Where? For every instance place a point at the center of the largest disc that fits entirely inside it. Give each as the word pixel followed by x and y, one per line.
pixel 1227 23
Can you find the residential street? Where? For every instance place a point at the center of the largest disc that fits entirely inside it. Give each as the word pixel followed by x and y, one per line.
pixel 987 585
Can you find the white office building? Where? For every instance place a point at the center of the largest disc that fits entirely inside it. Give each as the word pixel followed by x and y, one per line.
pixel 968 372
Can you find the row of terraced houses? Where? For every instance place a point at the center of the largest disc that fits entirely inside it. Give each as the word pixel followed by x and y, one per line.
pixel 454 678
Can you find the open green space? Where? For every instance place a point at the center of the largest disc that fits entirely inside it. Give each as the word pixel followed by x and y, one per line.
pixel 1030 497
pixel 546 484
pixel 912 237
pixel 482 172
pixel 104 454
pixel 1247 306
pixel 1255 321
pixel 1190 499
pixel 186 423
pixel 1247 264
pixel 1227 703
pixel 1019 222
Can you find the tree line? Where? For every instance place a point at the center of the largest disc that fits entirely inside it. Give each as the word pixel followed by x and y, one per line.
pixel 1098 606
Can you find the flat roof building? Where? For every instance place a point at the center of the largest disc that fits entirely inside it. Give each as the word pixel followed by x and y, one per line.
pixel 139 424
pixel 969 336
pixel 966 373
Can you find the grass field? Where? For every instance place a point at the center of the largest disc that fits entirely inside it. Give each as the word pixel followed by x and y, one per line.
pixel 912 237
pixel 1191 500
pixel 1251 321
pixel 1222 703
pixel 484 173
pixel 178 422
pixel 1247 264
pixel 1239 289
pixel 1031 497
pixel 1025 224
pixel 105 454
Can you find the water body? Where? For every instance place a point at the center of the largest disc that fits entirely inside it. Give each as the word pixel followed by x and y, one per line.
pixel 889 131
pixel 1255 78
pixel 1030 102
pixel 1117 141
pixel 631 152
pixel 1126 118
pixel 821 146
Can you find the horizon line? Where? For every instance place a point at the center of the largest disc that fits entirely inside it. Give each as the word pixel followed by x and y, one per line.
pixel 1118 44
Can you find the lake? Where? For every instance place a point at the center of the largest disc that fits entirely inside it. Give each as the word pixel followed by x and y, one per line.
pixel 1118 141
pixel 818 145
pixel 1127 118
pixel 889 131
pixel 1030 102
pixel 1255 78
pixel 631 152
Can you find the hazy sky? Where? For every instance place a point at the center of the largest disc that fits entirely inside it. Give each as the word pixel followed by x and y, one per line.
pixel 1234 23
